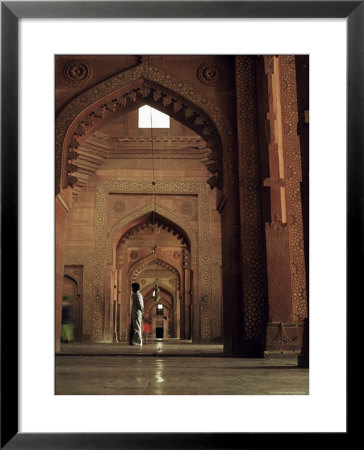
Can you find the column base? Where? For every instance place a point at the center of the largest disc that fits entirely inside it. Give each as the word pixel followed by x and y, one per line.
pixel 284 337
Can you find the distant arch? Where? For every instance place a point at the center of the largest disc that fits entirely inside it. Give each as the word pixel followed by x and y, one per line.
pixel 127 222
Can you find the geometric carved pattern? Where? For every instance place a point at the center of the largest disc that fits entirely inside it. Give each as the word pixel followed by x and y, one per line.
pixel 253 265
pixel 211 323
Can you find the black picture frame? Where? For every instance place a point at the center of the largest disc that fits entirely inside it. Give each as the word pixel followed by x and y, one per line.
pixel 11 12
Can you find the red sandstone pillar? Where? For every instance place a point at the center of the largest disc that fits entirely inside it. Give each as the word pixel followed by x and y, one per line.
pixel 62 207
pixel 187 303
pixel 284 232
pixel 109 301
pixel 233 327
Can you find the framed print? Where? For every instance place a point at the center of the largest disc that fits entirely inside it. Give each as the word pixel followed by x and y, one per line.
pixel 232 78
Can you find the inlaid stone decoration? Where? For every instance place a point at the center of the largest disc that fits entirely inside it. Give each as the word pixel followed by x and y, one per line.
pixel 77 72
pixel 119 206
pixel 210 74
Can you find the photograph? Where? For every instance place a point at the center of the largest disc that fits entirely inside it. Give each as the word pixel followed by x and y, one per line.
pixel 181 224
pixel 181 215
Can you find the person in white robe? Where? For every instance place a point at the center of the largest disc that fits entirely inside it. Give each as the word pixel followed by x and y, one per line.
pixel 137 314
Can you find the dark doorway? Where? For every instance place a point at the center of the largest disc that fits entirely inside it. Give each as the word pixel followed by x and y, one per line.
pixel 159 333
pixel 71 311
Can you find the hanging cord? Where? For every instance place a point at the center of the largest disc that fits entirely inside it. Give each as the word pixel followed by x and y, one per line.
pixel 153 193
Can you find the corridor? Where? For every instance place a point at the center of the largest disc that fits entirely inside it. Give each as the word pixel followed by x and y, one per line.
pixel 173 367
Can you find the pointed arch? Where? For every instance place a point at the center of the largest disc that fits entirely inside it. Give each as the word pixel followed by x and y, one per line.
pixel 122 225
pixel 144 84
pixel 143 263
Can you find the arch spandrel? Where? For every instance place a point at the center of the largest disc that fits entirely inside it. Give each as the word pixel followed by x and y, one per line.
pixel 74 120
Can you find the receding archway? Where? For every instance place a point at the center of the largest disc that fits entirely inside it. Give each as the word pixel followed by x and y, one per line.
pixel 168 264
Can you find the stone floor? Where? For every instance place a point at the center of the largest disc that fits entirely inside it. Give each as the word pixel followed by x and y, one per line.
pixel 173 368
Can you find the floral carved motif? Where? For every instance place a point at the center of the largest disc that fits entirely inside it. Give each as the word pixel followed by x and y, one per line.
pixel 77 72
pixel 134 255
pixel 119 206
pixel 210 74
pixel 186 208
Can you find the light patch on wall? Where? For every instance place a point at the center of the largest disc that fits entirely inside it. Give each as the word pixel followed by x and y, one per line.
pixel 152 118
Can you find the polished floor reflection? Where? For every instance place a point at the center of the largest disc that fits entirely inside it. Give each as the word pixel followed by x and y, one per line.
pixel 173 368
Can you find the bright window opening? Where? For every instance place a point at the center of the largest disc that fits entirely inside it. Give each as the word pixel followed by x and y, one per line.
pixel 152 118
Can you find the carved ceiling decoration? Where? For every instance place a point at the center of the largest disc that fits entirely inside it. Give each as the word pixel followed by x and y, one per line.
pixel 140 146
pixel 77 72
pixel 210 74
pixel 184 140
pixel 131 89
pixel 88 161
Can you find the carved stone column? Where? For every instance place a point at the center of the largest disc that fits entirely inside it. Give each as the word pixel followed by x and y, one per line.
pixel 118 315
pixel 108 309
pixel 233 326
pixel 63 200
pixel 251 230
pixel 178 315
pixel 284 232
pixel 228 207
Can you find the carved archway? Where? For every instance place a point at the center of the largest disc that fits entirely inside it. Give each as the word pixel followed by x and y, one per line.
pixel 128 222
pixel 167 298
pixel 136 270
pixel 130 272
pixel 170 308
pixel 143 84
